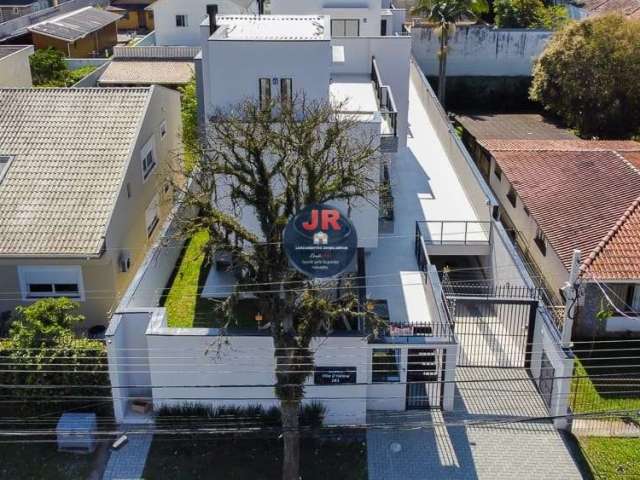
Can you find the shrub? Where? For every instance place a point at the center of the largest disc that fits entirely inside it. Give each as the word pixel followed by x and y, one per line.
pixel 47 66
pixel 529 14
pixel 588 75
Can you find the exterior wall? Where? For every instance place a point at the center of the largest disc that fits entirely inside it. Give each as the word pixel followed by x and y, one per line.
pixel 165 12
pixel 367 11
pixel 479 194
pixel 553 269
pixel 15 71
pixel 131 21
pixel 232 68
pixel 127 230
pixel 7 13
pixel 96 42
pixel 480 50
pixel 392 56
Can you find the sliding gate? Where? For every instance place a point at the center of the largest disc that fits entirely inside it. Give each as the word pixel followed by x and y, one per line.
pixel 493 331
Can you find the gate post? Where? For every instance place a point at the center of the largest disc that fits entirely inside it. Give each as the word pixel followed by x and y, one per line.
pixel 561 390
pixel 449 389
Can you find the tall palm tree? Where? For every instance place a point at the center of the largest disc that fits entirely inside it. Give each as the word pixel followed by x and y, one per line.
pixel 445 14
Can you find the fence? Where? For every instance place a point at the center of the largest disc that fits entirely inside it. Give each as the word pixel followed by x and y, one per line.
pixel 454 232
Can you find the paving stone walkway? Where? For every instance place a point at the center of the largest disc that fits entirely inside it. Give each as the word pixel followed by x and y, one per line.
pixel 128 462
pixel 473 446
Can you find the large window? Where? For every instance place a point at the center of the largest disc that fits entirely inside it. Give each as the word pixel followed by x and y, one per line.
pixel 385 362
pixel 264 87
pixel 148 159
pixel 181 21
pixel 286 92
pixel 152 215
pixel 51 281
pixel 345 28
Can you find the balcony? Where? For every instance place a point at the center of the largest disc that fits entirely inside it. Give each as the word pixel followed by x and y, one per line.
pixel 388 110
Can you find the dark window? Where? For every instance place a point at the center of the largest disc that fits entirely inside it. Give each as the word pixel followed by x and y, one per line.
pixel 383 28
pixel 40 288
pixel 526 210
pixel 148 163
pixel 385 365
pixel 541 241
pixel 345 28
pixel 66 288
pixel 264 86
pixel 497 172
pixel 511 196
pixel 181 20
pixel 633 299
pixel 286 94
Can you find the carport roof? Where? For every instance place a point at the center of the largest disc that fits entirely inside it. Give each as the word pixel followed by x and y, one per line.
pixel 75 25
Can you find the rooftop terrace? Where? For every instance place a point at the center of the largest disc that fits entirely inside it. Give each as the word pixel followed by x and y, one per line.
pixel 271 27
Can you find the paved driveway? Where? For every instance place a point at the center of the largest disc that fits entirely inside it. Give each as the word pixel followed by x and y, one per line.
pixel 474 446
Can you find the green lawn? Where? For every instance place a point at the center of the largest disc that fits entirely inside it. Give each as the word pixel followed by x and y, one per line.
pixel 232 458
pixel 32 461
pixel 612 458
pixel 186 308
pixel 586 398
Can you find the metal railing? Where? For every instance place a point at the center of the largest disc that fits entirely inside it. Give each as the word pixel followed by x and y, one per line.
pixel 386 102
pixel 454 232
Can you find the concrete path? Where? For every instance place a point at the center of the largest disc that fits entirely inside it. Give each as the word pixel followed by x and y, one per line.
pixel 128 462
pixel 473 445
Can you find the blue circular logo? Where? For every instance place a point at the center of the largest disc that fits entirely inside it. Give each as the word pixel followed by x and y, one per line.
pixel 320 241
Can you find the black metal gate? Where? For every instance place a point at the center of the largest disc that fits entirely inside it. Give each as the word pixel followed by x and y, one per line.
pixel 493 331
pixel 425 378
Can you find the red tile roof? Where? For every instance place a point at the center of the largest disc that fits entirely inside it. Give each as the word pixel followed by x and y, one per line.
pixel 617 256
pixel 576 191
pixel 629 8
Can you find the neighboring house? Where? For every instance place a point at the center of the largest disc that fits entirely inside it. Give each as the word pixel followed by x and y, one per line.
pixel 15 71
pixel 135 14
pixel 145 72
pixel 366 18
pixel 628 8
pixel 178 23
pixel 557 195
pixel 16 8
pixel 87 32
pixel 80 191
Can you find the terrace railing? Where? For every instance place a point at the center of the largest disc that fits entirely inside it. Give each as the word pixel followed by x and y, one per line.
pixel 388 110
pixel 454 232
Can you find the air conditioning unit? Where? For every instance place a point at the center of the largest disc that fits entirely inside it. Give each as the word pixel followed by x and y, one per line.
pixel 124 261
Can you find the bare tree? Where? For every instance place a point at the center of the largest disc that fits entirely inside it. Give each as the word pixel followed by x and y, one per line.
pixel 270 162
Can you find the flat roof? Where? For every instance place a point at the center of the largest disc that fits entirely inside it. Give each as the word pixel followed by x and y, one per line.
pixel 354 92
pixel 271 27
pixel 518 126
pixel 147 72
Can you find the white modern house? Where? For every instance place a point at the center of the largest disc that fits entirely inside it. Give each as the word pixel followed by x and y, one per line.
pixel 178 23
pixel 440 216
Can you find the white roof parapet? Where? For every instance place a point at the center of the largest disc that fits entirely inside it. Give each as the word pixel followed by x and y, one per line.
pixel 271 27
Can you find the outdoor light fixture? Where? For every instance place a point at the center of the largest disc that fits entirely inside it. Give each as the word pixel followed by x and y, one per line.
pixel 258 317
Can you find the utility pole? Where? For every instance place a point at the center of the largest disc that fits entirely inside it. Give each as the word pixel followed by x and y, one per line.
pixel 571 299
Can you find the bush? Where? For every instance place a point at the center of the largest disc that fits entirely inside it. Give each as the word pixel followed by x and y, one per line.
pixel 529 14
pixel 311 414
pixel 49 69
pixel 588 76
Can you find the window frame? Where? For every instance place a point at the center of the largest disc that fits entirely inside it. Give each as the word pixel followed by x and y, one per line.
pixel 24 271
pixel 541 241
pixel 344 22
pixel 148 148
pixel 185 19
pixel 269 94
pixel 497 171
pixel 633 292
pixel 150 225
pixel 512 196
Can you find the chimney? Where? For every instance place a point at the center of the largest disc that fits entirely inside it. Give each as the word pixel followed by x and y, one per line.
pixel 212 11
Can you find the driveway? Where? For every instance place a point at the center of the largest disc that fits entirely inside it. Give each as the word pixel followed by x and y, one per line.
pixel 474 444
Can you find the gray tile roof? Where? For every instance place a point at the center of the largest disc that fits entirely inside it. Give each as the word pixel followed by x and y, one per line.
pixel 70 151
pixel 147 72
pixel 75 25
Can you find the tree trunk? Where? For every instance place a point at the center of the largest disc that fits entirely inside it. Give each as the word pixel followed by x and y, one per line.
pixel 291 435
pixel 442 66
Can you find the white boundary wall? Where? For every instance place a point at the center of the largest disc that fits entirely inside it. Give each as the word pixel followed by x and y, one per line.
pixel 481 50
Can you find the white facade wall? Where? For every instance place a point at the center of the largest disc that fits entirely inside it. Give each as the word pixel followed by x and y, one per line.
pixel 165 11
pixel 481 51
pixel 231 68
pixel 552 268
pixel 15 71
pixel 366 11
